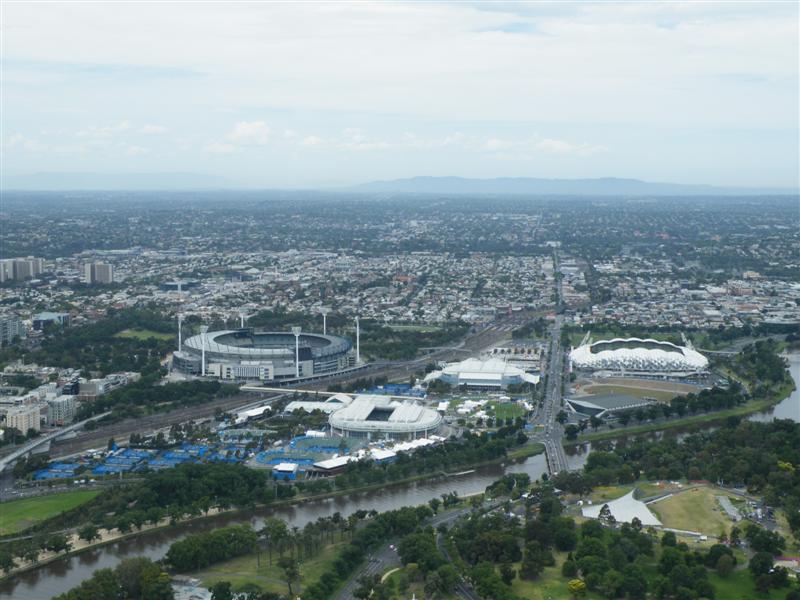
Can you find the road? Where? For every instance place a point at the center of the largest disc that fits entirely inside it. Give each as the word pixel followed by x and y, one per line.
pixel 550 431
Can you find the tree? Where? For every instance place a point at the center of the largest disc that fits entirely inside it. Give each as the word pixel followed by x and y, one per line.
pixel 57 543
pixel 89 533
pixel 571 431
pixel 290 572
pixel 760 564
pixel 562 417
pixel 434 503
pixel 669 539
pixel 507 573
pixel 221 591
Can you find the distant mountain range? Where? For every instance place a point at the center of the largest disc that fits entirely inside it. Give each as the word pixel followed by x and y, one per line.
pixel 603 186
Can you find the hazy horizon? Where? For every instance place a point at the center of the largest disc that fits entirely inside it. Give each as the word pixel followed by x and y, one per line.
pixel 337 94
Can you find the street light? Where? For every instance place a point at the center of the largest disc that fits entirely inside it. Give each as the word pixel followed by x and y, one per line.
pixel 296 331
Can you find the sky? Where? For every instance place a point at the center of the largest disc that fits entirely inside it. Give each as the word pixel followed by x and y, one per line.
pixel 309 95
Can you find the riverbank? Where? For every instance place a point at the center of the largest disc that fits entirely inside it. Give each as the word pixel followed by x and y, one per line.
pixel 754 406
pixel 113 535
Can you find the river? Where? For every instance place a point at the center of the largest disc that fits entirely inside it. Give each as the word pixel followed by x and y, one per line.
pixel 59 576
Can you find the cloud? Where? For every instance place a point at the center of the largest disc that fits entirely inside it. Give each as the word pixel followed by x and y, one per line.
pixel 136 150
pixel 106 131
pixel 561 147
pixel 312 141
pixel 153 129
pixel 20 141
pixel 250 133
pixel 219 148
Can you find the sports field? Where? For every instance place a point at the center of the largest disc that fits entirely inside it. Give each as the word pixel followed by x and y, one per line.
pixel 695 509
pixel 144 334
pixel 18 515
pixel 506 410
pixel 636 392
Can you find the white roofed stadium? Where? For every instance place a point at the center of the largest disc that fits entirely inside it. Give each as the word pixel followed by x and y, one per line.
pixel 635 356
pixel 380 417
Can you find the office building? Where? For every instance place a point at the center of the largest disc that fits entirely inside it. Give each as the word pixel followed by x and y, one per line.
pixel 10 327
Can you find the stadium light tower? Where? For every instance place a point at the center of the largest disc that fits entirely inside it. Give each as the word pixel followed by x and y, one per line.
pixel 358 343
pixel 180 338
pixel 203 332
pixel 324 310
pixel 242 317
pixel 296 331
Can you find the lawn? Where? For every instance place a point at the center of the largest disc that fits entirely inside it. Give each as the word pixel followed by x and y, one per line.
pixel 551 585
pixel 630 391
pixel 245 569
pixel 695 509
pixel 739 586
pixel 415 588
pixel 144 334
pixel 503 410
pixel 18 515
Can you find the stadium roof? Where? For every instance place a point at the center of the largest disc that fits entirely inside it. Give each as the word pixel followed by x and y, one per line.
pixel 636 354
pixel 605 403
pixel 493 372
pixel 379 413
pixel 624 510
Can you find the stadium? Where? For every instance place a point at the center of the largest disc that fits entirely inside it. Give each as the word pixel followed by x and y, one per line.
pixel 244 354
pixel 380 417
pixel 484 374
pixel 635 356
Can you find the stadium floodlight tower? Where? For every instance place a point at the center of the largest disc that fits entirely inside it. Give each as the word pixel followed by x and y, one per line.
pixel 242 317
pixel 180 337
pixel 296 331
pixel 358 343
pixel 324 311
pixel 203 332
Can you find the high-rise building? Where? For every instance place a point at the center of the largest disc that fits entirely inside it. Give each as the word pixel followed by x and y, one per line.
pixel 20 268
pixel 61 410
pixel 98 273
pixel 10 327
pixel 24 417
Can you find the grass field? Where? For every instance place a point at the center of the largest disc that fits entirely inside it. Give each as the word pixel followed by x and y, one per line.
pixel 143 334
pixel 18 515
pixel 636 392
pixel 739 585
pixel 506 410
pixel 695 509
pixel 551 585
pixel 612 492
pixel 245 569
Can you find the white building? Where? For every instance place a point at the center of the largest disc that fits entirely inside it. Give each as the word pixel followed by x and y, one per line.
pixel 61 410
pixel 491 373
pixel 24 417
